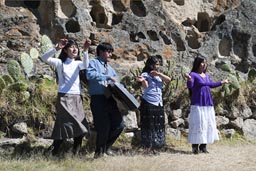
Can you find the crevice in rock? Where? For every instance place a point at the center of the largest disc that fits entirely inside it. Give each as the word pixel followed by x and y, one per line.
pixel 188 22
pixel 217 21
pixel 179 2
pixel 254 45
pixel 98 15
pixel 14 3
pixel 165 38
pixel 225 46
pixel 192 39
pixel 34 4
pixel 254 50
pixel 203 22
pixel 31 4
pixel 118 6
pixel 152 35
pixel 240 44
pixel 179 42
pixel 141 35
pixel 117 18
pixel 138 8
pixel 72 26
pixel 68 8
pixel 135 37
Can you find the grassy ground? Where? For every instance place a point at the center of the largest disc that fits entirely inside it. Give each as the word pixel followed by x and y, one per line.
pixel 235 155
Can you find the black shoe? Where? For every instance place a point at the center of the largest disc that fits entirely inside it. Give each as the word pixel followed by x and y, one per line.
pixel 195 149
pixel 203 148
pixel 98 155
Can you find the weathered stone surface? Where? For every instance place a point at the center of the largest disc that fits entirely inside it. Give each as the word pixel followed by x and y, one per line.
pixel 249 129
pixel 130 121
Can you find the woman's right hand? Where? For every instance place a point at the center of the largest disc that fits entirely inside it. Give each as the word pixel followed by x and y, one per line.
pixel 62 43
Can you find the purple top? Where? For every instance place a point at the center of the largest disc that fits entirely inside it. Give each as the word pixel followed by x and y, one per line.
pixel 200 88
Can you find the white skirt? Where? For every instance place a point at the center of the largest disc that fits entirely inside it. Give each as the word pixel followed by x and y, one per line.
pixel 202 125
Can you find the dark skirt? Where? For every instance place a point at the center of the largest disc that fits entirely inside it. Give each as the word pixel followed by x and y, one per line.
pixel 70 118
pixel 152 125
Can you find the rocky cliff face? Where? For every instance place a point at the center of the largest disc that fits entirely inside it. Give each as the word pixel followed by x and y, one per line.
pixel 175 30
pixel 136 28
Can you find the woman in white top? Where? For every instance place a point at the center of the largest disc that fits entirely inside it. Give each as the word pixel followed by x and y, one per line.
pixel 70 118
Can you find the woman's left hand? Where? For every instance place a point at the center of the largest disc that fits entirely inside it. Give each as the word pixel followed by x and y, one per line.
pixel 226 81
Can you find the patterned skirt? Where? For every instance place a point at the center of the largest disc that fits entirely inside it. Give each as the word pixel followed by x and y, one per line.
pixel 202 125
pixel 152 125
pixel 70 118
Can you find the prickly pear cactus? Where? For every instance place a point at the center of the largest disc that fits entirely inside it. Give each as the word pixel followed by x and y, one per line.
pixel 225 67
pixel 18 86
pixel 46 43
pixel 8 79
pixel 226 90
pixel 27 63
pixel 252 74
pixel 234 82
pixel 14 69
pixel 33 53
pixel 2 84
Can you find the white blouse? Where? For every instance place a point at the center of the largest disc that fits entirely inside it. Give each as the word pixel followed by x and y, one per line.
pixel 68 72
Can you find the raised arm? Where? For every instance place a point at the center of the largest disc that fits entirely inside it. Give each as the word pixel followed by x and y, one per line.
pixel 86 46
pixel 47 56
pixel 164 77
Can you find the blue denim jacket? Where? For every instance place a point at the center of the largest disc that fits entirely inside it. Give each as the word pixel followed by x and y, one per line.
pixel 98 74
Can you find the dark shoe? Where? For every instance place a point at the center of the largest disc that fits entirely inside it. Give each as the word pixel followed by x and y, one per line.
pixel 98 155
pixel 203 148
pixel 195 148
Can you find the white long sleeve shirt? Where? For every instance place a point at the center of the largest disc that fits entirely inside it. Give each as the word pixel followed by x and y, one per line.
pixel 68 71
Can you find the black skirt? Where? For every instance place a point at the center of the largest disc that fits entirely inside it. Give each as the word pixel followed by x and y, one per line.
pixel 152 125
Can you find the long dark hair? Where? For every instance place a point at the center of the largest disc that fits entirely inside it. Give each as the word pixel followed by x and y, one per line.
pixel 63 55
pixel 150 63
pixel 197 62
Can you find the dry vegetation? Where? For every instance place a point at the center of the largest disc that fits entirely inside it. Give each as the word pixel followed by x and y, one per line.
pixel 235 155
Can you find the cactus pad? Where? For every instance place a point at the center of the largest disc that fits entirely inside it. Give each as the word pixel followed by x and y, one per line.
pixel 26 62
pixel 14 69
pixel 8 79
pixel 46 43
pixel 34 53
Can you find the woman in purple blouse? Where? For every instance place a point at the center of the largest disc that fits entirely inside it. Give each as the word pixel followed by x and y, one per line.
pixel 202 124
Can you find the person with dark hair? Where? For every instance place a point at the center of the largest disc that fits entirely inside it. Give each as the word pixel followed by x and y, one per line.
pixel 107 118
pixel 152 119
pixel 202 124
pixel 70 117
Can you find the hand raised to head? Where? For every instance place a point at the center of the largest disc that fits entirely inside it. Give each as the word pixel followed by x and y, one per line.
pixel 87 44
pixel 61 44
